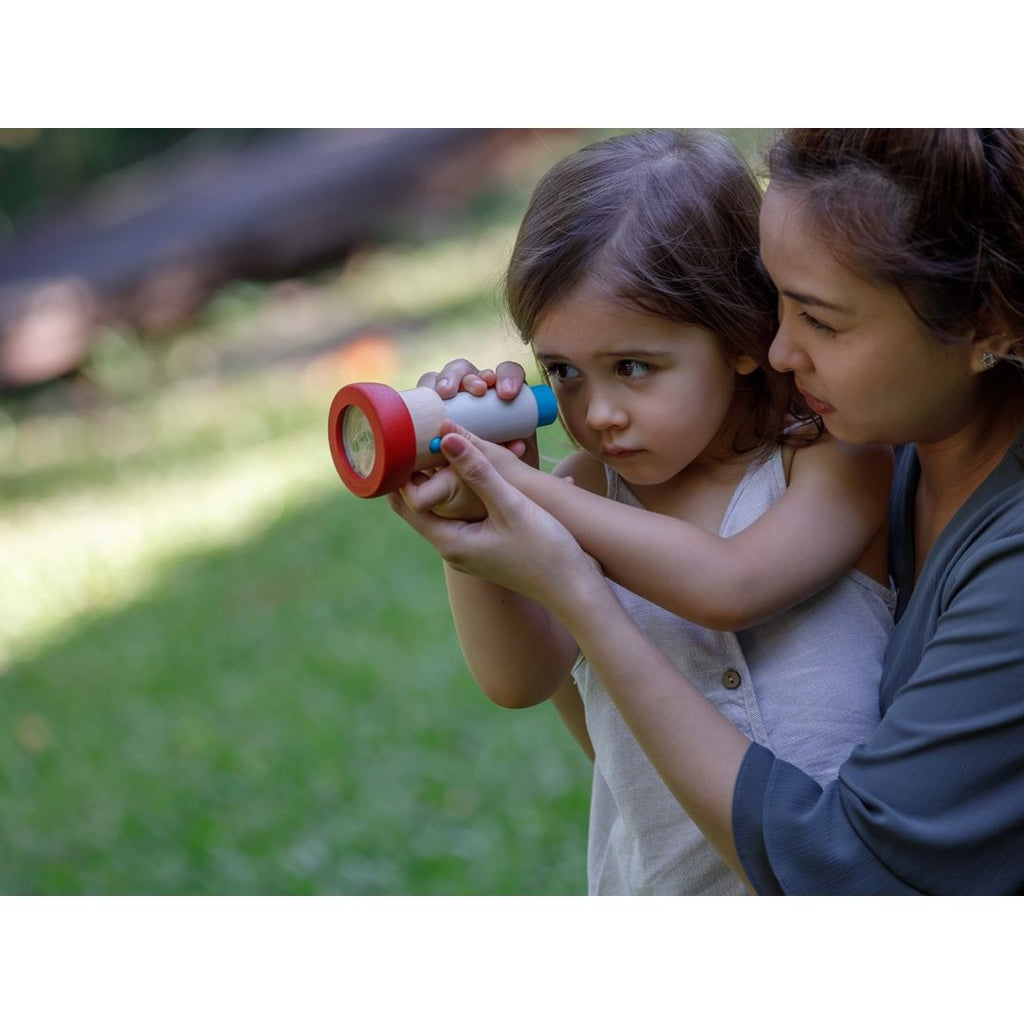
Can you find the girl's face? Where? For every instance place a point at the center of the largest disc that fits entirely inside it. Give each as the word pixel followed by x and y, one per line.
pixel 860 356
pixel 643 395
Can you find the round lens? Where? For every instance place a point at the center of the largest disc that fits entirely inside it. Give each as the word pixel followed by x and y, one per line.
pixel 358 440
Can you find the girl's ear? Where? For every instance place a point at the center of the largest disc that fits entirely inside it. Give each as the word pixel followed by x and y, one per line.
pixel 745 365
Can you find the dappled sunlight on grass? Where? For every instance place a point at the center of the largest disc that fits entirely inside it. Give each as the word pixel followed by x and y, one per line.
pixel 98 548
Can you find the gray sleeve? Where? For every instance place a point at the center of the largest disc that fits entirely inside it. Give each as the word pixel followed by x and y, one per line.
pixel 934 801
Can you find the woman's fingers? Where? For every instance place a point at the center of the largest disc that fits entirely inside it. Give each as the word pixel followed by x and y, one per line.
pixel 524 449
pixel 515 543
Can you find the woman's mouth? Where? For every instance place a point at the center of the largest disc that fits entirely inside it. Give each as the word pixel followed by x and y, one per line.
pixel 816 405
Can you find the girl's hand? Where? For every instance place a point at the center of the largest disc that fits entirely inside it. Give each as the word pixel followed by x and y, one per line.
pixel 517 545
pixel 441 493
pixel 462 375
pixel 440 490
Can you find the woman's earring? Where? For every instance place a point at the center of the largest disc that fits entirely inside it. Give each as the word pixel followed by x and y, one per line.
pixel 989 359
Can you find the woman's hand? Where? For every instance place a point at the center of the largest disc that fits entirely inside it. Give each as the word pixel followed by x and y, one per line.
pixel 443 493
pixel 517 545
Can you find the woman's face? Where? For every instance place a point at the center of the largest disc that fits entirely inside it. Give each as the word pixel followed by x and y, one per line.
pixel 858 353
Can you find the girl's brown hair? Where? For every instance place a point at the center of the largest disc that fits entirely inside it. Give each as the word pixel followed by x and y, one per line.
pixel 667 223
pixel 937 212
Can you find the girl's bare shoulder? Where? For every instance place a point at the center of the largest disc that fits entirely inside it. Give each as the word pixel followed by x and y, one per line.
pixel 865 469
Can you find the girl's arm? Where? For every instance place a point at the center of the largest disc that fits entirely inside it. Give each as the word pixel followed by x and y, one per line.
pixel 832 516
pixel 569 705
pixel 516 650
pixel 520 546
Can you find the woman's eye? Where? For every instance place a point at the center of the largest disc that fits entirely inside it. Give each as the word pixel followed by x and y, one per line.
pixel 816 324
pixel 633 368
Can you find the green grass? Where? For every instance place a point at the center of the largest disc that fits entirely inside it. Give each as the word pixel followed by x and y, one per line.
pixel 221 673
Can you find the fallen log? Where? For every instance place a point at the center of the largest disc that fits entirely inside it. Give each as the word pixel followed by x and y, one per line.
pixel 150 245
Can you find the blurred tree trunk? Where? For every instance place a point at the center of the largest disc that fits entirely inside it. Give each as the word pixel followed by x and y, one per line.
pixel 151 244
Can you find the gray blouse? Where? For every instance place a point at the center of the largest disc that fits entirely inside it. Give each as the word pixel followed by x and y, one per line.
pixel 933 802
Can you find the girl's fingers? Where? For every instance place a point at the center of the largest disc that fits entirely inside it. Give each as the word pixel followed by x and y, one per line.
pixel 509 378
pixel 456 375
pixel 422 493
pixel 462 375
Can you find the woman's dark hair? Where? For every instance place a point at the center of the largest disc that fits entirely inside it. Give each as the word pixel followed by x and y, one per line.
pixel 667 223
pixel 937 212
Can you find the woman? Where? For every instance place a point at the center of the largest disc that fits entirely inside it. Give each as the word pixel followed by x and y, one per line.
pixel 899 260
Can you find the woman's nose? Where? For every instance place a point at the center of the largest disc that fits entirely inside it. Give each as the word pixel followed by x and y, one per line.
pixel 785 354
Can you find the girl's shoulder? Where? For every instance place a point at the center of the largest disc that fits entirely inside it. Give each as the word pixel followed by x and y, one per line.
pixel 864 468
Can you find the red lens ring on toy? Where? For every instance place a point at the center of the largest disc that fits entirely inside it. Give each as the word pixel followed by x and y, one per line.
pixel 393 434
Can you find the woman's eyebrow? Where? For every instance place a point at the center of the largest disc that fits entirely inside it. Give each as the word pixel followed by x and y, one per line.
pixel 812 300
pixel 806 300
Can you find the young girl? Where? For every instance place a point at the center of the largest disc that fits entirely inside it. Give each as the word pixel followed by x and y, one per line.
pixel 899 259
pixel 747 546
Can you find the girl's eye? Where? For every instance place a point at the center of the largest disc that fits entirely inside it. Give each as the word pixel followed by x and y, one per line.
pixel 817 325
pixel 633 368
pixel 561 372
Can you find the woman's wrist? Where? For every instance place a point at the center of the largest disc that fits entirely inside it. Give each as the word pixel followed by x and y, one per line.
pixel 519 473
pixel 584 598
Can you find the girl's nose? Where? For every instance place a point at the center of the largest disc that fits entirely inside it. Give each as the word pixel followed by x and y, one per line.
pixel 603 413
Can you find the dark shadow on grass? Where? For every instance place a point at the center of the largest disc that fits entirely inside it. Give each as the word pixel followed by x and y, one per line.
pixel 288 716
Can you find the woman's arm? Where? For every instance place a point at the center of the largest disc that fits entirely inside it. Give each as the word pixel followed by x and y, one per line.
pixel 695 750
pixel 523 548
pixel 832 516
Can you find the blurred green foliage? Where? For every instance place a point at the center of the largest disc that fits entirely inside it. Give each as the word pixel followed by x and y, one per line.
pixel 221 673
